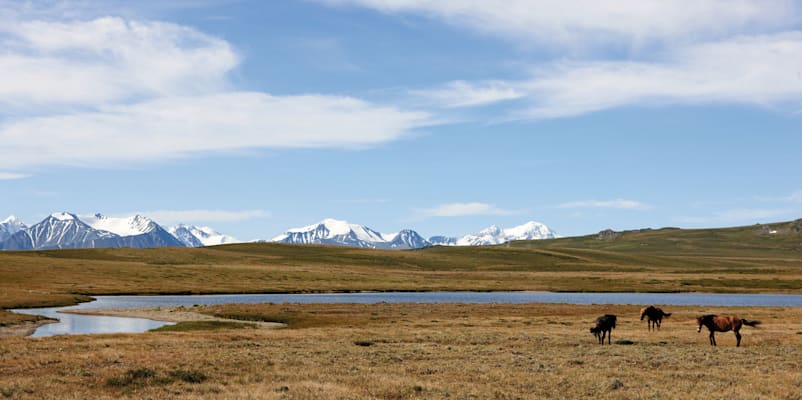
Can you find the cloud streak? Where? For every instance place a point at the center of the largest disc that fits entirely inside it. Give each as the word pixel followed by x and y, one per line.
pixel 171 217
pixel 757 70
pixel 620 204
pixel 464 210
pixel 587 23
pixel 109 90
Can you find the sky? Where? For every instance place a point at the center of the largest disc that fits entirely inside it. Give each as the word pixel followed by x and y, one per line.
pixel 446 117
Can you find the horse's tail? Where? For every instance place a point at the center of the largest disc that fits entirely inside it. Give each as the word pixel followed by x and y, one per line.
pixel 750 323
pixel 666 314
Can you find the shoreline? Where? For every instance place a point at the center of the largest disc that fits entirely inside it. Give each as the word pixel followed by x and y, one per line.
pixel 24 329
pixel 167 314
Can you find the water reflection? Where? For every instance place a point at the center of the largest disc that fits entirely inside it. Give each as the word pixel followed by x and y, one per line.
pixel 78 324
pixel 71 324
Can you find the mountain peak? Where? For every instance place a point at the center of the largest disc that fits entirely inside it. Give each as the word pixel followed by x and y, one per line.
pixel 64 216
pixel 122 226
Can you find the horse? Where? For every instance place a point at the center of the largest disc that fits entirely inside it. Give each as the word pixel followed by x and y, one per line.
pixel 655 316
pixel 604 325
pixel 724 323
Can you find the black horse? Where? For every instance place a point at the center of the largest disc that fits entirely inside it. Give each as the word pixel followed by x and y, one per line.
pixel 604 328
pixel 655 316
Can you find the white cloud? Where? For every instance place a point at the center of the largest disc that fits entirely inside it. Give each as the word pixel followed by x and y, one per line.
pixel 182 126
pixel 761 70
pixel 11 175
pixel 617 203
pixel 464 209
pixel 588 23
pixel 464 94
pixel 171 217
pixel 110 90
pixel 95 62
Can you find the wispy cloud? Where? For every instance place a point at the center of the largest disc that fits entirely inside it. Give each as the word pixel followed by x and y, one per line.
pixel 464 209
pixel 467 94
pixel 110 90
pixel 170 217
pixel 762 70
pixel 617 203
pixel 11 175
pixel 588 23
pixel 183 126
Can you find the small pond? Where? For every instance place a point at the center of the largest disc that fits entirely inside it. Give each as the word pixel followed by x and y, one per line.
pixel 83 324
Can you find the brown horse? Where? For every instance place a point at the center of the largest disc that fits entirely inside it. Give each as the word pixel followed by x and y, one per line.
pixel 726 323
pixel 655 316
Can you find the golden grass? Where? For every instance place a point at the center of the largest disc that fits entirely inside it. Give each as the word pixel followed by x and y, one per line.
pixel 43 278
pixel 416 351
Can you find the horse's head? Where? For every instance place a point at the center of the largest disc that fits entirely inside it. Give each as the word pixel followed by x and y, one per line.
pixel 643 312
pixel 700 321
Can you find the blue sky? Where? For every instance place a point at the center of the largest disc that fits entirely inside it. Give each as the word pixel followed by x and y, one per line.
pixel 442 116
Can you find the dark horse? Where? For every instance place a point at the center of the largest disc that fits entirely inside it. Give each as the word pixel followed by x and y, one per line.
pixel 724 323
pixel 604 325
pixel 655 316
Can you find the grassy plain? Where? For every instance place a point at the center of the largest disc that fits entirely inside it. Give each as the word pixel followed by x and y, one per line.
pixel 736 260
pixel 415 351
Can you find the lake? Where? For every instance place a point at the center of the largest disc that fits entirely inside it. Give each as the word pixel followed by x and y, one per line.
pixel 85 324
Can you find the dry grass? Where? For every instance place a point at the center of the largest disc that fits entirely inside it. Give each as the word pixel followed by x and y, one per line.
pixel 42 278
pixel 417 351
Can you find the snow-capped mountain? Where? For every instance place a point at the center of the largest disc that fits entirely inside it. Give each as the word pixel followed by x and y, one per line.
pixel 342 233
pixel 184 235
pixel 125 226
pixel 405 239
pixel 57 231
pixel 333 232
pixel 10 226
pixel 494 235
pixel 64 230
pixel 195 236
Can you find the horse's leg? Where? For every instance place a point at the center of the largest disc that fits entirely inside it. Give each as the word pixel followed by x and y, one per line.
pixel 738 339
pixel 712 338
pixel 609 336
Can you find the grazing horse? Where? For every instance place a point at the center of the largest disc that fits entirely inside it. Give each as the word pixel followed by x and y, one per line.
pixel 724 323
pixel 655 316
pixel 604 325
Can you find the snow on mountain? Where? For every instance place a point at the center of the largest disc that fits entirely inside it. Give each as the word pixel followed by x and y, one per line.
pixel 406 239
pixel 10 226
pixel 64 230
pixel 494 235
pixel 342 233
pixel 332 232
pixel 125 226
pixel 194 236
pixel 57 231
pixel 335 232
pixel 184 235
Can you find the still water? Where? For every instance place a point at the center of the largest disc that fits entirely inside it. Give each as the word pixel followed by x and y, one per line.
pixel 83 324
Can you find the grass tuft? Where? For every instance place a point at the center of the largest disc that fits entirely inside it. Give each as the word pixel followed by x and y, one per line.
pixel 188 376
pixel 189 326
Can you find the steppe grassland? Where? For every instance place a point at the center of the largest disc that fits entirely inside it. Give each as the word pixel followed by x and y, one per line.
pixel 415 351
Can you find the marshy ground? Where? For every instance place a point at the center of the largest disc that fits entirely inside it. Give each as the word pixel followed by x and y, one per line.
pixel 417 351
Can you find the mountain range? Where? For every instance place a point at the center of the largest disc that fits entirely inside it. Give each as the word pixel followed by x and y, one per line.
pixel 342 233
pixel 64 230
